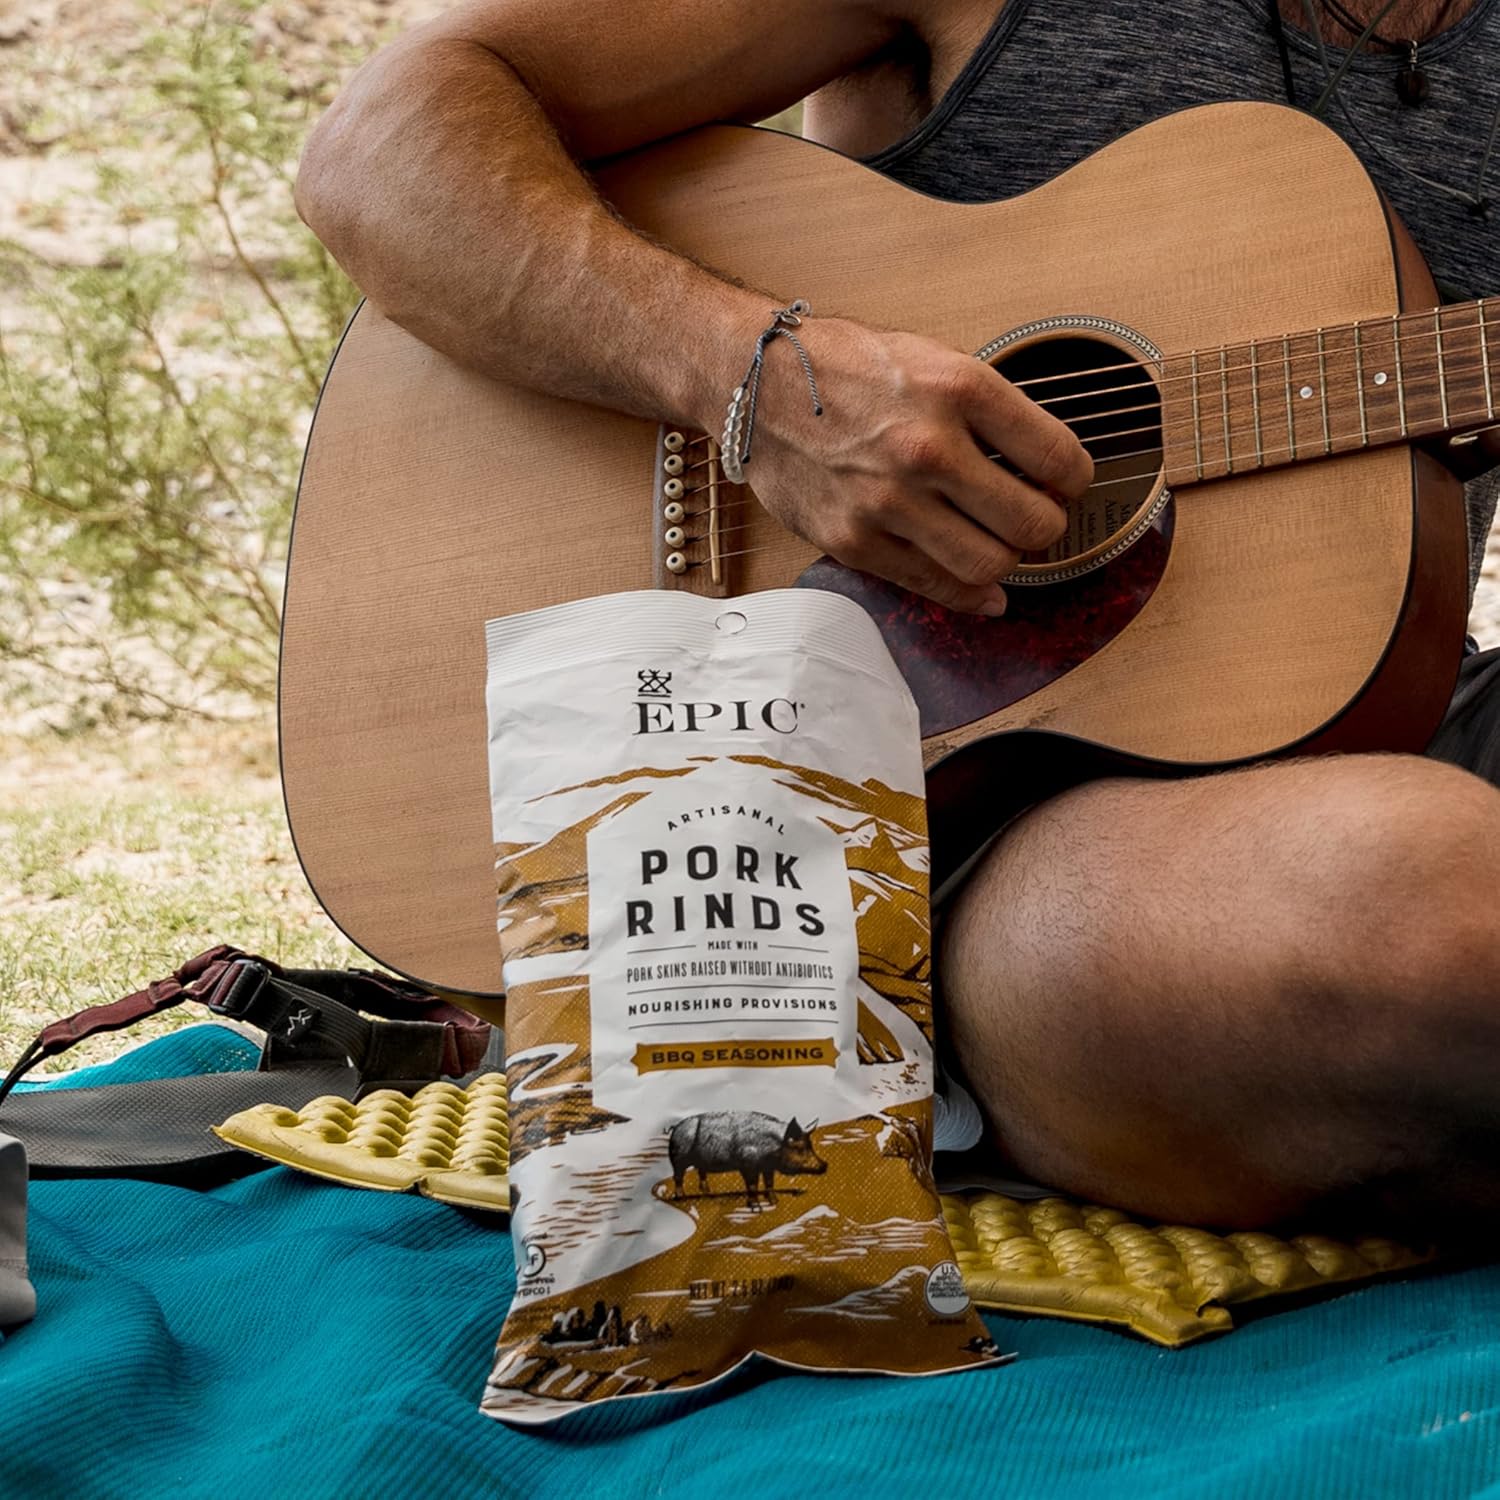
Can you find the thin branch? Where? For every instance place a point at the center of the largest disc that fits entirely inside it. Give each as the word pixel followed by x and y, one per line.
pixel 110 677
pixel 261 601
pixel 73 512
pixel 309 374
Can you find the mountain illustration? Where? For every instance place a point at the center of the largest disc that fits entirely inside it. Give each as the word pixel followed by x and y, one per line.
pixel 875 1043
pixel 825 1236
pixel 550 1088
pixel 884 1303
pixel 892 917
pixel 865 799
pixel 909 848
pixel 544 888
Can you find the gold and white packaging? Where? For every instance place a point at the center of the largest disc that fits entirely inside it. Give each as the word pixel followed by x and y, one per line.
pixel 711 855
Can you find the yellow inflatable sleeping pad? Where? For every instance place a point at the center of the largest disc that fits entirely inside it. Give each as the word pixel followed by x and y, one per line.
pixel 450 1143
pixel 1172 1284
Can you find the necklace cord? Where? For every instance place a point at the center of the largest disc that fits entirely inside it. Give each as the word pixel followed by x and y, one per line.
pixel 1473 198
pixel 1335 79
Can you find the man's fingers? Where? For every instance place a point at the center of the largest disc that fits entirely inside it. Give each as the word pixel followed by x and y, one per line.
pixel 1029 436
pixel 908 567
pixel 971 554
pixel 1018 513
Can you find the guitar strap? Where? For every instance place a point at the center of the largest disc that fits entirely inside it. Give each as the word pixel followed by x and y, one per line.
pixel 317 1042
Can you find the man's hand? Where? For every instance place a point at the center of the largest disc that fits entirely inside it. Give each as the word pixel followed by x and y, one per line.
pixel 895 477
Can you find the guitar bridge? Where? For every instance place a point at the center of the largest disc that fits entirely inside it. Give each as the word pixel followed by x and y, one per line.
pixel 697 526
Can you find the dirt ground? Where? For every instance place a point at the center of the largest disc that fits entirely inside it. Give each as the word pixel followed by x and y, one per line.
pixel 52 37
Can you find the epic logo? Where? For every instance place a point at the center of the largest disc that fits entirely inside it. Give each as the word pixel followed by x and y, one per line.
pixel 778 714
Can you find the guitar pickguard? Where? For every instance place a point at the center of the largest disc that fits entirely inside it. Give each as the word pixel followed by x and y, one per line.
pixel 961 667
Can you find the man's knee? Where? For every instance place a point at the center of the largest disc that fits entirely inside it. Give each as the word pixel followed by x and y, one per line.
pixel 1369 870
pixel 1412 847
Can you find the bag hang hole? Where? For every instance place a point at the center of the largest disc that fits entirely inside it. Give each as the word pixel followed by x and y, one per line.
pixel 731 622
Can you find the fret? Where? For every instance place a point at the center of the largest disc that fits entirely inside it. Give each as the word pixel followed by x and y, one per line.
pixel 1464 369
pixel 1265 417
pixel 1423 375
pixel 1224 399
pixel 1178 447
pixel 1342 402
pixel 1359 381
pixel 1197 425
pixel 1239 383
pixel 1437 338
pixel 1400 383
pixel 1378 385
pixel 1305 393
pixel 1323 392
pixel 1260 452
pixel 1484 360
pixel 1291 425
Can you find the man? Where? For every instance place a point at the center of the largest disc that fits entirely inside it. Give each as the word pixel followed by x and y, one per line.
pixel 1296 997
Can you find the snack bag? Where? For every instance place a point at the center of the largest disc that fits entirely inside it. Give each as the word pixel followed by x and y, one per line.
pixel 711 852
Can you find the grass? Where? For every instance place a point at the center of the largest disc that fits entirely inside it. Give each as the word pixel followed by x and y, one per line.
pixel 125 852
pixel 122 856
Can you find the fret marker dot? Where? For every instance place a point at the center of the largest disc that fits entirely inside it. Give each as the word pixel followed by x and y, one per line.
pixel 1380 378
pixel 1305 392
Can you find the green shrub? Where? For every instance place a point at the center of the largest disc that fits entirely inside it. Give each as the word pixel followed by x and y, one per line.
pixel 153 404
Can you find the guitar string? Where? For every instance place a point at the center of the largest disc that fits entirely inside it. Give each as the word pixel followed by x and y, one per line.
pixel 1217 426
pixel 1157 473
pixel 1160 471
pixel 1396 339
pixel 1334 390
pixel 1205 379
pixel 1210 374
pixel 1262 360
pixel 1431 328
pixel 1384 330
pixel 1289 451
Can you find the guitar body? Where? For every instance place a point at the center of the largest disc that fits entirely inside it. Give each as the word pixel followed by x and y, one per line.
pixel 1312 607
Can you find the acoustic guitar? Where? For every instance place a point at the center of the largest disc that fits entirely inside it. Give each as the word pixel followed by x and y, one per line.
pixel 1270 561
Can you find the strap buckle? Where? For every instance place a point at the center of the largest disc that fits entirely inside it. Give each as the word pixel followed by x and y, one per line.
pixel 238 989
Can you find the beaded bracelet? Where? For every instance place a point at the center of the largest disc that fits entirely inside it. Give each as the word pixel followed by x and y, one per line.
pixel 739 420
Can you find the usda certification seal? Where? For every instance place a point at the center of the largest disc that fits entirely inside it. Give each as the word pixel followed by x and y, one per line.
pixel 946 1293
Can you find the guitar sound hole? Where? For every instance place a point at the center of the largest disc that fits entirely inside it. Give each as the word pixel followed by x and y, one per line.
pixel 1111 401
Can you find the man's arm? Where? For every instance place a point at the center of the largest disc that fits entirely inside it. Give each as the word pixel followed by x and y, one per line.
pixel 444 179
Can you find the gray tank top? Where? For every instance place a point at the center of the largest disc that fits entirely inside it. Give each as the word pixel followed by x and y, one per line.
pixel 1054 80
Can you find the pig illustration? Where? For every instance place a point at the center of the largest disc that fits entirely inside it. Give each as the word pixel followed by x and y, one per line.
pixel 755 1145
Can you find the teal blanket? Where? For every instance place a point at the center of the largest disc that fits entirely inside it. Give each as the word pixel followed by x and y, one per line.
pixel 285 1337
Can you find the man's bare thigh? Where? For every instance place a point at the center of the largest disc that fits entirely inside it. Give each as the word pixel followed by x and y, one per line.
pixel 1226 997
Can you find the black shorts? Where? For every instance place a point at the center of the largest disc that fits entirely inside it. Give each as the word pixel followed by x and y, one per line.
pixel 1469 736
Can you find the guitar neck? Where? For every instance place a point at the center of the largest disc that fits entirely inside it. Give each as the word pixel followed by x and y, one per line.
pixel 1304 396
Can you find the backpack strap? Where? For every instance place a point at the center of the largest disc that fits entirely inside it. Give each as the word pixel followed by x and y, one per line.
pixel 308 1015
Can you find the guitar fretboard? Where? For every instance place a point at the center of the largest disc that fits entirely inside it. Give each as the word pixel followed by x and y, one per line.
pixel 1303 396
